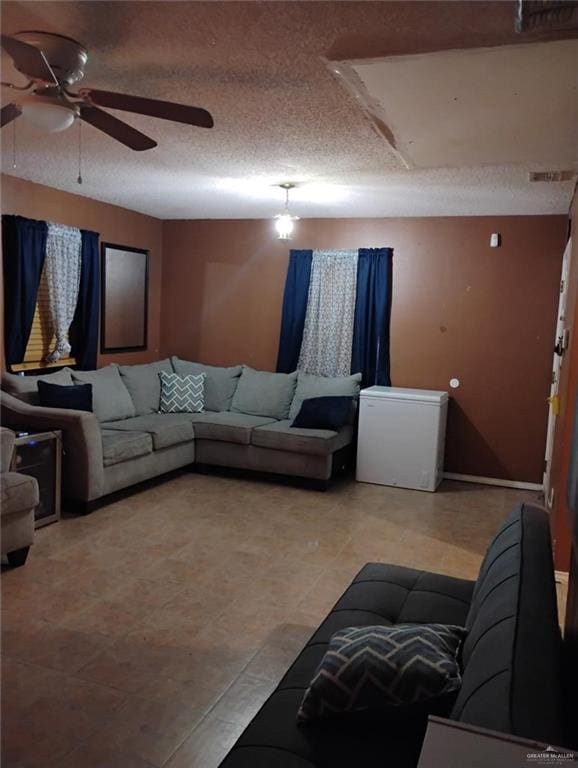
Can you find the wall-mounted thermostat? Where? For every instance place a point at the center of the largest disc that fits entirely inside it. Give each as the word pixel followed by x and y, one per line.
pixel 495 240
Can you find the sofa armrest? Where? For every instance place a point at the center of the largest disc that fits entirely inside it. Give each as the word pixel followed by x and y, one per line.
pixel 6 448
pixel 83 473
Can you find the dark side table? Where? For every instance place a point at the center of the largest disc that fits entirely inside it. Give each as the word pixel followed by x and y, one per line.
pixel 451 744
pixel 39 454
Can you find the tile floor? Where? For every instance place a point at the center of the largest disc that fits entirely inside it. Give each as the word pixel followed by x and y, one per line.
pixel 148 633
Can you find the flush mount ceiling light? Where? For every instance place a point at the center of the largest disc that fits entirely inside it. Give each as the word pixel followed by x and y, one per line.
pixel 285 222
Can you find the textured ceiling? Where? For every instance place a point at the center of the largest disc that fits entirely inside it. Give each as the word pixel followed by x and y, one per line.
pixel 280 112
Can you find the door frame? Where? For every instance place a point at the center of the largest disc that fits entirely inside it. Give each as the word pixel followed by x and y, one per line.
pixel 560 347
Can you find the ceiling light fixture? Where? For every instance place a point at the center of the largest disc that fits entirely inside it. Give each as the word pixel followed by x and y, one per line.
pixel 47 114
pixel 285 222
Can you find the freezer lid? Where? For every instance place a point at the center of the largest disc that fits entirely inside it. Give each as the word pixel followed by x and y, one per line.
pixel 432 396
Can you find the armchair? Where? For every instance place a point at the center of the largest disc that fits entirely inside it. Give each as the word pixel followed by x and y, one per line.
pixel 19 495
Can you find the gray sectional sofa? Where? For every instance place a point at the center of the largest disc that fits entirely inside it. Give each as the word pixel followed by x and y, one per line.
pixel 246 424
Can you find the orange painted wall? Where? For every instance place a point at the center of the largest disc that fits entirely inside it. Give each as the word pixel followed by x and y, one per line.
pixel 115 225
pixel 460 309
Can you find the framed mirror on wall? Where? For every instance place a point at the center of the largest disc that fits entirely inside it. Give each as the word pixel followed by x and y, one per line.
pixel 124 299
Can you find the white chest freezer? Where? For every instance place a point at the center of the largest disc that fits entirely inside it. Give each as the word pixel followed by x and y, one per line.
pixel 401 437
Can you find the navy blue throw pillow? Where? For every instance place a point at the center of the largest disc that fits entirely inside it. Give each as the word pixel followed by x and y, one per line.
pixel 78 397
pixel 330 412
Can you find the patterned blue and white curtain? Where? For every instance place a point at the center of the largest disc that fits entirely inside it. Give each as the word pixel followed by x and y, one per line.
pixel 336 314
pixel 62 270
pixel 328 332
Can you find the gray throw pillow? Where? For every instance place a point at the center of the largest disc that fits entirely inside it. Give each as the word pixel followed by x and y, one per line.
pixel 220 383
pixel 110 398
pixel 26 387
pixel 370 668
pixel 182 394
pixel 309 386
pixel 144 385
pixel 260 393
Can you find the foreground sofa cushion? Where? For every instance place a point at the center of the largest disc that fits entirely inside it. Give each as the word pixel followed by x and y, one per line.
pixel 110 398
pixel 380 594
pixel 119 446
pixel 144 386
pixel 220 383
pixel 261 393
pixel 368 669
pixel 228 426
pixel 166 429
pixel 76 396
pixel 26 387
pixel 282 436
pixel 309 386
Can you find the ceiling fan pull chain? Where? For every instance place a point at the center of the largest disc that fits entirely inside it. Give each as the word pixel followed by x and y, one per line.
pixel 79 179
pixel 13 144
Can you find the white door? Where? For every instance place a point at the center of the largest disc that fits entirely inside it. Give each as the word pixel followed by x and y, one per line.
pixel 560 345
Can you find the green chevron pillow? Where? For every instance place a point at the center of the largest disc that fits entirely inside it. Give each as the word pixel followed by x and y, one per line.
pixel 182 394
pixel 370 668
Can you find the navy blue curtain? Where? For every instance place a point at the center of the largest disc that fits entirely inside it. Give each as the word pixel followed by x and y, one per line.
pixel 24 246
pixel 294 309
pixel 84 327
pixel 370 353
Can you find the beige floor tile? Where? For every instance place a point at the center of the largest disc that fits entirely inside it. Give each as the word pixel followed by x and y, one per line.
pixel 207 745
pixel 48 645
pixel 241 702
pixel 149 730
pixel 87 756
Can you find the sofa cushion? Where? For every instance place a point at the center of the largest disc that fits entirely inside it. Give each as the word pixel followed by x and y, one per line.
pixel 309 385
pixel 166 429
pixel 182 393
pixel 274 740
pixel 110 398
pixel 281 436
pixel 118 446
pixel 18 492
pixel 380 594
pixel 26 387
pixel 220 383
pixel 261 393
pixel 144 386
pixel 77 397
pixel 512 653
pixel 227 426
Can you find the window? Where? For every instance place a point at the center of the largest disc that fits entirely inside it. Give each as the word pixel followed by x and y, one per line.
pixel 41 338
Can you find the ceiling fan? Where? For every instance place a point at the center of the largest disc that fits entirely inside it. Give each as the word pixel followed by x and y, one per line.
pixel 52 63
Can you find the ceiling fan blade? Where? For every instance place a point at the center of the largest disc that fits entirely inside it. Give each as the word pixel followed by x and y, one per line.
pixel 9 113
pixel 119 130
pixel 165 110
pixel 28 59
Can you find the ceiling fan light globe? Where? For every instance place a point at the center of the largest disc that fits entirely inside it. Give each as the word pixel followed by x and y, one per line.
pixel 48 117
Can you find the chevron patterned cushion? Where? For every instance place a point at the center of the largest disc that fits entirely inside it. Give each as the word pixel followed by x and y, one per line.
pixel 182 394
pixel 369 668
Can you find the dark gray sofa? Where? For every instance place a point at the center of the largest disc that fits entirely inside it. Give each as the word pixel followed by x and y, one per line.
pixel 511 657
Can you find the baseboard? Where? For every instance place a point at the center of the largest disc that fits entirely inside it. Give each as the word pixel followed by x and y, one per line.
pixel 493 481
